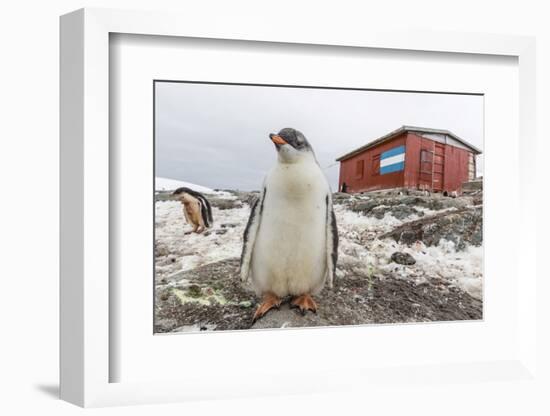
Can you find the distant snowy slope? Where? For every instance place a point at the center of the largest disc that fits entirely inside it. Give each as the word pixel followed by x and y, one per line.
pixel 166 184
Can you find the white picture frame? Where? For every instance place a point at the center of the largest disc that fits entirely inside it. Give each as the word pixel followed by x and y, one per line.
pixel 85 221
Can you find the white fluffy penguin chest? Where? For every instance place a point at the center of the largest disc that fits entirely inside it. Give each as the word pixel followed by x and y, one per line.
pixel 295 194
pixel 296 181
pixel 289 256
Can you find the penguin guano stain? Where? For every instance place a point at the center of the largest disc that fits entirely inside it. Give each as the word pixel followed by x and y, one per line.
pixel 410 157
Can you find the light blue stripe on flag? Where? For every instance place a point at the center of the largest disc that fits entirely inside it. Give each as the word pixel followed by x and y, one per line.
pixel 396 167
pixel 392 152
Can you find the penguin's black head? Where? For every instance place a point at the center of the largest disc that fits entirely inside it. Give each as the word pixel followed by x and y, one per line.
pixel 292 146
pixel 291 137
pixel 182 190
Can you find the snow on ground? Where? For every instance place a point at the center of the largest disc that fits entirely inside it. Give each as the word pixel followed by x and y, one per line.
pixel 359 250
pixel 179 249
pixel 167 184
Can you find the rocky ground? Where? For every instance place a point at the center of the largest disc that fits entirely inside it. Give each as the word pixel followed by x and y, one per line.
pixel 403 257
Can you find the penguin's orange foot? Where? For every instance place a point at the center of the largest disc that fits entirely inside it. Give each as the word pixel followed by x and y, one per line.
pixel 269 302
pixel 304 303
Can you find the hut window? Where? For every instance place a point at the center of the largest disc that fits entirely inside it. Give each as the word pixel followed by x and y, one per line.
pixel 359 169
pixel 376 165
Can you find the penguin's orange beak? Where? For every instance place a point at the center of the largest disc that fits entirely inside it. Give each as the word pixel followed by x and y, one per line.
pixel 275 138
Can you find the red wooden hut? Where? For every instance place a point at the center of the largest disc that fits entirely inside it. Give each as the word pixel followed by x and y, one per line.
pixel 410 157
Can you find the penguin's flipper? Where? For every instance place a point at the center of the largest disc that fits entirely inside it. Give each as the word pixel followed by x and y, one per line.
pixel 331 241
pixel 249 236
pixel 206 210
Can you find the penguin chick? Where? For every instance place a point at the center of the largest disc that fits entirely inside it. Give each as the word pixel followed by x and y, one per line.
pixel 196 208
pixel 291 239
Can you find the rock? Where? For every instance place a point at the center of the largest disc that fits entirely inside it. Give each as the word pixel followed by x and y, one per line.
pixel 400 205
pixel 462 227
pixel 364 206
pixel 403 258
pixel 164 196
pixel 245 197
pixel 408 237
pixel 400 212
pixel 224 203
pixel 341 196
pixel 403 211
pixel 472 186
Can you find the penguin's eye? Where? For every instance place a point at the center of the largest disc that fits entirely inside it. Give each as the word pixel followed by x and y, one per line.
pixel 299 142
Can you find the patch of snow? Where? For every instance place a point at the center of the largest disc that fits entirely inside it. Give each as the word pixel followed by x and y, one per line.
pixel 167 184
pixel 191 250
pixel 359 249
pixel 429 212
pixel 464 268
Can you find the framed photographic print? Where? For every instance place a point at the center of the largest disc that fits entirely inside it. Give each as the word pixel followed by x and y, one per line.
pixel 251 204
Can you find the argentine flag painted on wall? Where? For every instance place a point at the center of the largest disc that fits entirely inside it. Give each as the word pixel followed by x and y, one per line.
pixel 392 160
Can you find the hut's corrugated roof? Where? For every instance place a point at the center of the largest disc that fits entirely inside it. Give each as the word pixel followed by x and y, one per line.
pixel 402 130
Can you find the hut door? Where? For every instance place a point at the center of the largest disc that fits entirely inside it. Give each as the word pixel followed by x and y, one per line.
pixel 425 177
pixel 438 167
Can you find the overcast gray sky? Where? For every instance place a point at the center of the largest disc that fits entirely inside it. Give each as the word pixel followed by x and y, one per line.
pixel 218 135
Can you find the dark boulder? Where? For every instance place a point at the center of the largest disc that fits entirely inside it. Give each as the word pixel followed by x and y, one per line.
pixel 403 258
